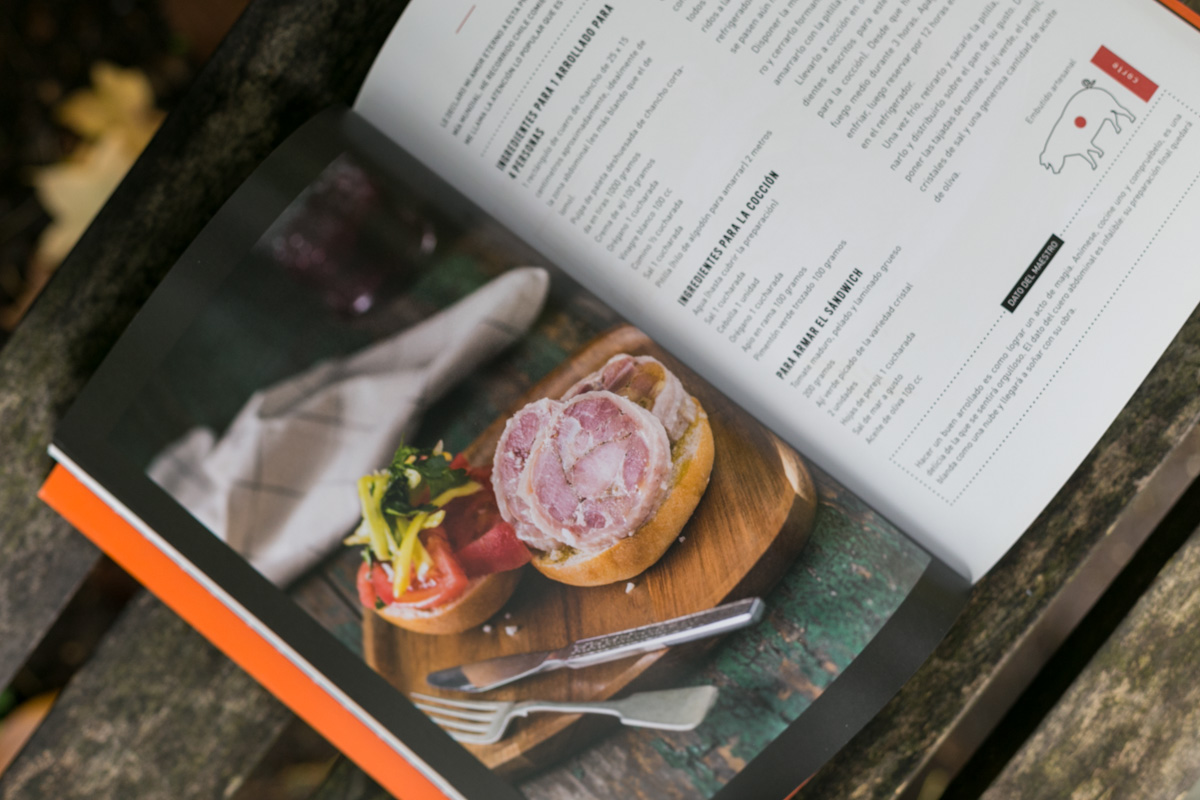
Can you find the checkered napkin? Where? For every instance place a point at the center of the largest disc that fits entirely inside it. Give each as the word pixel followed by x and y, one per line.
pixel 281 485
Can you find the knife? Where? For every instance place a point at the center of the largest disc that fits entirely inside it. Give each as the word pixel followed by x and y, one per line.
pixel 484 675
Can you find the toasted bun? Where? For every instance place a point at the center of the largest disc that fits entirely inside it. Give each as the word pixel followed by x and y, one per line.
pixel 691 466
pixel 483 598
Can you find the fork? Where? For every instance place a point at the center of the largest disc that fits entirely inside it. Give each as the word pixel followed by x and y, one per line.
pixel 484 721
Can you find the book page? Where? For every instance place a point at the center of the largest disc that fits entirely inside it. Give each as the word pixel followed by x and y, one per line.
pixel 934 244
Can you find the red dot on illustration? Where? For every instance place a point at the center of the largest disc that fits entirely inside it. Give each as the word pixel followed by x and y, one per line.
pixel 1080 122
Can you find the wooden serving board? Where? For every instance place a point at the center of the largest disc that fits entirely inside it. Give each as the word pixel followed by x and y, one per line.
pixel 750 525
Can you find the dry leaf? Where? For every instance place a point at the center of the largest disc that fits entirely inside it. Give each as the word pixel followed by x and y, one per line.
pixel 115 118
pixel 20 724
pixel 120 103
pixel 74 191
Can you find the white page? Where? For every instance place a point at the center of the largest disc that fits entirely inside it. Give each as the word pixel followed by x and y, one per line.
pixel 851 190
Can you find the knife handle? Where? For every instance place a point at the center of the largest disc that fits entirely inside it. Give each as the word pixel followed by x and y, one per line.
pixel 701 625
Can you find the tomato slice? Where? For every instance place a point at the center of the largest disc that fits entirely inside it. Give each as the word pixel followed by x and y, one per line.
pixel 445 581
pixel 381 583
pixel 497 550
pixel 373 584
pixel 365 584
pixel 482 541
pixel 468 518
pixel 473 541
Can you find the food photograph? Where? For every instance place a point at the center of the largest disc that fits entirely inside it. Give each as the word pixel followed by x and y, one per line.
pixel 569 550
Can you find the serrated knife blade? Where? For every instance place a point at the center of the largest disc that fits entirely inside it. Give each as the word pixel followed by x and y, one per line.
pixel 494 672
pixel 489 674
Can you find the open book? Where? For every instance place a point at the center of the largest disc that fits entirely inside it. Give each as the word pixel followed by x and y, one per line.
pixel 899 264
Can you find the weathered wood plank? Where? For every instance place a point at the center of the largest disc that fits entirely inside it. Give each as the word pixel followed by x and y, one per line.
pixel 157 712
pixel 282 63
pixel 1127 726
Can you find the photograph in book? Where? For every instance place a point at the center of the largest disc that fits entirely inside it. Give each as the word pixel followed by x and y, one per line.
pixel 447 452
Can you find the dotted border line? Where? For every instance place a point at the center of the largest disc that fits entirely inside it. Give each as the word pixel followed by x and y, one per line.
pixel 536 71
pixel 1177 100
pixel 1078 342
pixel 919 480
pixel 1113 163
pixel 929 410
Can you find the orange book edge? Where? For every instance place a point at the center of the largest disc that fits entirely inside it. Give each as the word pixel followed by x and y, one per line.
pixel 138 556
pixel 1179 8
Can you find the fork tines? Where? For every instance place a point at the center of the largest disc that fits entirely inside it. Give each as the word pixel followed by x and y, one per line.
pixel 475 717
pixel 475 705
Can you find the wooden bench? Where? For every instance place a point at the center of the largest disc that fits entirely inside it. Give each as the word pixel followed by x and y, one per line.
pixel 157 712
pixel 1127 725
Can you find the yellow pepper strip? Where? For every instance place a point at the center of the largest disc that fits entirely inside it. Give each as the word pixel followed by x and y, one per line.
pixel 421 557
pixel 468 488
pixel 402 562
pixel 361 535
pixel 370 493
pixel 411 545
pixel 376 531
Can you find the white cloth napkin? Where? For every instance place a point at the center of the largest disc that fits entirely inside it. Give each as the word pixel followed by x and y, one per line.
pixel 280 486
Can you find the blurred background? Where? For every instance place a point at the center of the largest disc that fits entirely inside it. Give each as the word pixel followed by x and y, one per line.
pixel 84 85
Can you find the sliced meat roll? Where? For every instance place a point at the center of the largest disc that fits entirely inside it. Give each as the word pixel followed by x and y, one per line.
pixel 598 472
pixel 647 382
pixel 522 435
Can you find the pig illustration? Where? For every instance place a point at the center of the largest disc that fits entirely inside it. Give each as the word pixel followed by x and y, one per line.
pixel 1080 123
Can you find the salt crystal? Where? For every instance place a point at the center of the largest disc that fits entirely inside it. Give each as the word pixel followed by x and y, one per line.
pixel 681 538
pixel 629 587
pixel 487 628
pixel 511 630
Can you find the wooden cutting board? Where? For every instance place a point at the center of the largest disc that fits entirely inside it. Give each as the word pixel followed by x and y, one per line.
pixel 750 525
